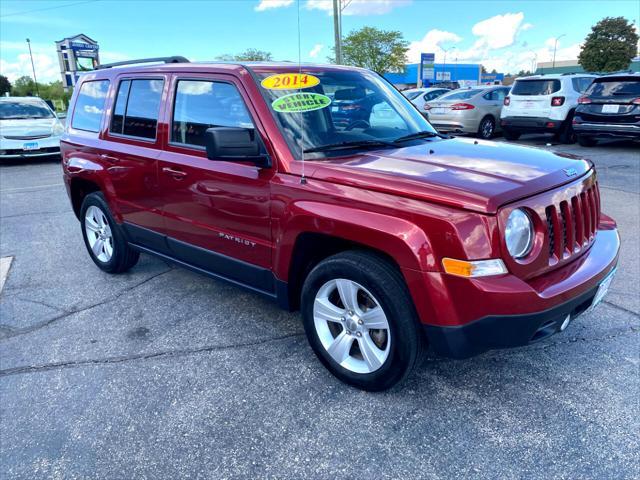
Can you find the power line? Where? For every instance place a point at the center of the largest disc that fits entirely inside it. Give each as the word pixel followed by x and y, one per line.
pixel 47 8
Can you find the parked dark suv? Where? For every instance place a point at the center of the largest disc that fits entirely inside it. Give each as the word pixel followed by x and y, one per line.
pixel 389 236
pixel 610 108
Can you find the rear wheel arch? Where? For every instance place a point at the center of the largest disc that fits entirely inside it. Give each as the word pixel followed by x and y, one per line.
pixel 79 189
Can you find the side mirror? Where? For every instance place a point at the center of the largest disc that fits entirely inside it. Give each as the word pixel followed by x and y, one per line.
pixel 233 144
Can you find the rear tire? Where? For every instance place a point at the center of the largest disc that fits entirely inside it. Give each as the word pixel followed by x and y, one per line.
pixel 586 141
pixel 372 339
pixel 487 128
pixel 566 134
pixel 103 237
pixel 510 134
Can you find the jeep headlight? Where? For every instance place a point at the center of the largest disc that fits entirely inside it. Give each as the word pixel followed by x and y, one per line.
pixel 519 233
pixel 58 129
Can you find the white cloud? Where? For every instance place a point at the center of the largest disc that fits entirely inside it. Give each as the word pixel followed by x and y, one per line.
pixel 499 31
pixel 269 4
pixel 359 7
pixel 315 51
pixel 492 37
pixel 46 66
pixel 431 44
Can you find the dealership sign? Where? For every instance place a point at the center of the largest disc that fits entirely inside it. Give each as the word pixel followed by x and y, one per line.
pixel 427 61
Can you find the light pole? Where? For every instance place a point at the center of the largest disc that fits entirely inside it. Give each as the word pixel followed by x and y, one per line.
pixel 336 31
pixel 444 65
pixel 534 62
pixel 35 80
pixel 555 46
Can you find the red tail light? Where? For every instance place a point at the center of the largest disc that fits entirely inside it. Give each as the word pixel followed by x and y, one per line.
pixel 557 101
pixel 636 101
pixel 584 100
pixel 426 107
pixel 507 101
pixel 462 106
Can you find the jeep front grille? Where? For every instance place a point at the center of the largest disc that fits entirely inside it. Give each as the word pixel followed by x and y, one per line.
pixel 572 223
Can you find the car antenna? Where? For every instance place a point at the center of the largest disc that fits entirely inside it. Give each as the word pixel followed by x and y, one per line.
pixel 303 179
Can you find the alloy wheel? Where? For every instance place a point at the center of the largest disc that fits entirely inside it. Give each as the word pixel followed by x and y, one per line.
pixel 352 326
pixel 99 234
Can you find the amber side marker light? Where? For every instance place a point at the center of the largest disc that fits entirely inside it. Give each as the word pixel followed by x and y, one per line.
pixel 473 269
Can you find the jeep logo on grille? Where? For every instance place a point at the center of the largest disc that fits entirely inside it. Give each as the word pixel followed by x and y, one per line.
pixel 570 172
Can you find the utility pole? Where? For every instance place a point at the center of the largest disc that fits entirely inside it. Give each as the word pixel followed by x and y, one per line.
pixel 337 11
pixel 35 80
pixel 555 46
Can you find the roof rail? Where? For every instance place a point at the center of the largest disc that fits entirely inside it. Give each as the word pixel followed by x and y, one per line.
pixel 174 59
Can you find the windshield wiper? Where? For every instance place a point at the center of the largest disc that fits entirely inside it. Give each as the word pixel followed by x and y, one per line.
pixel 417 135
pixel 352 144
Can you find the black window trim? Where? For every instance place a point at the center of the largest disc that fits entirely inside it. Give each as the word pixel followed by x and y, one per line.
pixel 153 140
pixel 189 146
pixel 102 116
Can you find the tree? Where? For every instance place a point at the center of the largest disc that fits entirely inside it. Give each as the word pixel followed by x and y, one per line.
pixel 382 51
pixel 249 55
pixel 5 85
pixel 610 46
pixel 23 87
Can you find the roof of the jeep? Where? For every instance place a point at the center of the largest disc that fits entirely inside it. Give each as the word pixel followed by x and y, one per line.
pixel 205 67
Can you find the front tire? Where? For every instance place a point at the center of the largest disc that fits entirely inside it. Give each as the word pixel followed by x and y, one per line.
pixel 103 237
pixel 360 320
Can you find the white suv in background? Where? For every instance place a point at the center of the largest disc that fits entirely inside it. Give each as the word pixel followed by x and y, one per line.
pixel 543 104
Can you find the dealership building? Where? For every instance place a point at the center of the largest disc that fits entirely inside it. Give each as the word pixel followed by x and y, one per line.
pixel 466 74
pixel 572 66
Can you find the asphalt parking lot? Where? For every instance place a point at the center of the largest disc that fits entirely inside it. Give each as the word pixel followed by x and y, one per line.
pixel 161 373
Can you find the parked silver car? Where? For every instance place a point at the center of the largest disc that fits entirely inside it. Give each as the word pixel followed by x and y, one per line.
pixel 420 96
pixel 474 110
pixel 28 128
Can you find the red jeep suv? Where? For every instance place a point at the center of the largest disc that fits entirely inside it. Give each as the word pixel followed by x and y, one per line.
pixel 323 188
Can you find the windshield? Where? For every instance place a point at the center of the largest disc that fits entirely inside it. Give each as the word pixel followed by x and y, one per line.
pixel 460 95
pixel 535 87
pixel 24 110
pixel 335 107
pixel 615 87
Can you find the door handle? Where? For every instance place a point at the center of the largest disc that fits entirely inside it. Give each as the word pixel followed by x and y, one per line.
pixel 109 158
pixel 177 174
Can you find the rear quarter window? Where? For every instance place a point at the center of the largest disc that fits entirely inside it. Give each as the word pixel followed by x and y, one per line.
pixel 536 87
pixel 87 113
pixel 580 84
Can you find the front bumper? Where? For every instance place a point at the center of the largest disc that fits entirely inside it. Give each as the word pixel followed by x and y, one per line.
pixel 14 149
pixel 464 317
pixel 506 331
pixel 531 124
pixel 613 130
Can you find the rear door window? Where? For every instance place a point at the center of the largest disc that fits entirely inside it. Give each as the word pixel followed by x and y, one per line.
pixel 203 104
pixel 135 113
pixel 535 87
pixel 87 114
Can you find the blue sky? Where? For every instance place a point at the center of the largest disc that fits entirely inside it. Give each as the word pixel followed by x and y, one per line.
pixel 506 35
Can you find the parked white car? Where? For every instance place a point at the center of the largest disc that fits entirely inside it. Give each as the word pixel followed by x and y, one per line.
pixel 543 104
pixel 420 96
pixel 28 128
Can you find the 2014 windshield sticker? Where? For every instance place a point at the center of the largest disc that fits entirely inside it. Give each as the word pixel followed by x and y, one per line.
pixel 301 102
pixel 289 81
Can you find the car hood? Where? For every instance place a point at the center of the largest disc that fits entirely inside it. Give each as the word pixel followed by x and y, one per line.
pixel 465 173
pixel 27 127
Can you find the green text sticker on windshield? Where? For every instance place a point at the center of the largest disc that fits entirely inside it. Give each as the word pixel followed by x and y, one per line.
pixel 300 102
